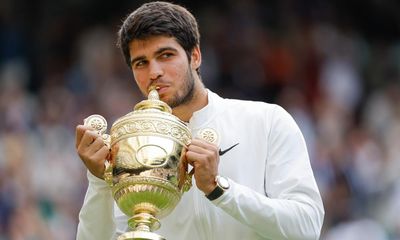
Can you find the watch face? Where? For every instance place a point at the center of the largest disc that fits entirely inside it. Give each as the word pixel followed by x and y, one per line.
pixel 223 182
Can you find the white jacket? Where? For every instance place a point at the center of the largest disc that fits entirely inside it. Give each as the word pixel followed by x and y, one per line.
pixel 273 194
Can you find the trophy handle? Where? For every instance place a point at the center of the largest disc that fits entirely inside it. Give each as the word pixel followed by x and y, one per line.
pixel 185 177
pixel 188 181
pixel 108 177
pixel 99 124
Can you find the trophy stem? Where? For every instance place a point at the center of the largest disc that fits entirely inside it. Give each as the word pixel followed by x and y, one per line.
pixel 143 223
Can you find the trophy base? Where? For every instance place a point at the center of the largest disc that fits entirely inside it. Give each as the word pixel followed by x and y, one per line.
pixel 140 235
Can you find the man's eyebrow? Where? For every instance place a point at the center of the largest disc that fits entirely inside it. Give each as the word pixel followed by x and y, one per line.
pixel 165 49
pixel 160 50
pixel 133 60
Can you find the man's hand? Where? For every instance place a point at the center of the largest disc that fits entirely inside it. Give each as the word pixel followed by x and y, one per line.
pixel 91 149
pixel 204 158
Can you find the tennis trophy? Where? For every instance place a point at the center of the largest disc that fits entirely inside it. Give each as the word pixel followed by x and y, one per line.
pixel 146 167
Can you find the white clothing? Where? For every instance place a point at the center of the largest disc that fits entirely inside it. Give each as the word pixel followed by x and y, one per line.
pixel 272 194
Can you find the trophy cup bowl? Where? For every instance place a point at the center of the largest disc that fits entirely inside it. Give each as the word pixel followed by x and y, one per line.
pixel 146 170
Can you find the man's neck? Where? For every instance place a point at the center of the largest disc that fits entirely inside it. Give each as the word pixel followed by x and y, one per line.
pixel 200 100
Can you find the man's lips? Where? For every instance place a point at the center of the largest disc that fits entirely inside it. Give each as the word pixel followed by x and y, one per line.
pixel 161 88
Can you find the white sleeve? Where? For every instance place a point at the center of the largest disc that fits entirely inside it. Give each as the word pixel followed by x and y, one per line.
pixel 291 207
pixel 96 218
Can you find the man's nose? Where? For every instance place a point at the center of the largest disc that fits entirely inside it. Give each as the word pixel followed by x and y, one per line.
pixel 155 70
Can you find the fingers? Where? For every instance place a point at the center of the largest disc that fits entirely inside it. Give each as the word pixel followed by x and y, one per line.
pixel 200 150
pixel 79 132
pixel 91 149
pixel 195 159
pixel 204 158
pixel 102 152
pixel 88 138
pixel 203 144
pixel 97 144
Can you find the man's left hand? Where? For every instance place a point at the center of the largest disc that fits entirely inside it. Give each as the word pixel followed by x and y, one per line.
pixel 204 158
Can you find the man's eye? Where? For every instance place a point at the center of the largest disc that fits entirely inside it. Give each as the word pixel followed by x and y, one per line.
pixel 140 64
pixel 166 55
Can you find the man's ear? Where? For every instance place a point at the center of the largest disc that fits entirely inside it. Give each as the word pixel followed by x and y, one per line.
pixel 195 58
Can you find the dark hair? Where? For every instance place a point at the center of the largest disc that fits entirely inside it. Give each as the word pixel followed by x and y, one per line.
pixel 159 19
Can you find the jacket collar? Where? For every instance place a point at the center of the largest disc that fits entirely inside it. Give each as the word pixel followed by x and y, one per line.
pixel 204 116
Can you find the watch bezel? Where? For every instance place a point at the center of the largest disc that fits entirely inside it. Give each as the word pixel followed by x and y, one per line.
pixel 222 182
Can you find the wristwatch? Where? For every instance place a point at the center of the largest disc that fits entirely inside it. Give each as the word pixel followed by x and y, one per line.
pixel 222 186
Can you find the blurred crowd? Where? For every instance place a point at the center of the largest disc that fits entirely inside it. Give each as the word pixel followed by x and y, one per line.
pixel 334 66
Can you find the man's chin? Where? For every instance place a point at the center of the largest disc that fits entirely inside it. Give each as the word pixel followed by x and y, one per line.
pixel 168 101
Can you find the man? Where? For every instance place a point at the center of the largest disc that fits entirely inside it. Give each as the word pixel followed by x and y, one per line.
pixel 269 192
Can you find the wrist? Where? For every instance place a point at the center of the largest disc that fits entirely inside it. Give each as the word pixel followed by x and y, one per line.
pixel 210 188
pixel 221 185
pixel 95 182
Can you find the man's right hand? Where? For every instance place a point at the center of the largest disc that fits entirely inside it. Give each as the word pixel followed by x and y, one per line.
pixel 91 149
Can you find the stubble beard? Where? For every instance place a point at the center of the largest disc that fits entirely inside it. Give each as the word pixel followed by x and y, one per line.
pixel 187 90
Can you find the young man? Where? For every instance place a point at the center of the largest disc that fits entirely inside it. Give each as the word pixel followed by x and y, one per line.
pixel 270 192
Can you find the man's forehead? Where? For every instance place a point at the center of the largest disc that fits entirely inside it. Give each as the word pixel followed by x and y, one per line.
pixel 152 44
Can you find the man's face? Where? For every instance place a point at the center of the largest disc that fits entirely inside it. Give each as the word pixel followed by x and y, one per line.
pixel 160 61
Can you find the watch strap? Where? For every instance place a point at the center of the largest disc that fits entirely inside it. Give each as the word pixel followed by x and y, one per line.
pixel 216 193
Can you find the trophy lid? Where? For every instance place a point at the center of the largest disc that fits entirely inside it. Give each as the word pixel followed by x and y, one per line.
pixel 150 117
pixel 153 102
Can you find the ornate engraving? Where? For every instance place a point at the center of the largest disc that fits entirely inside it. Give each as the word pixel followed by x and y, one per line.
pixel 148 127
